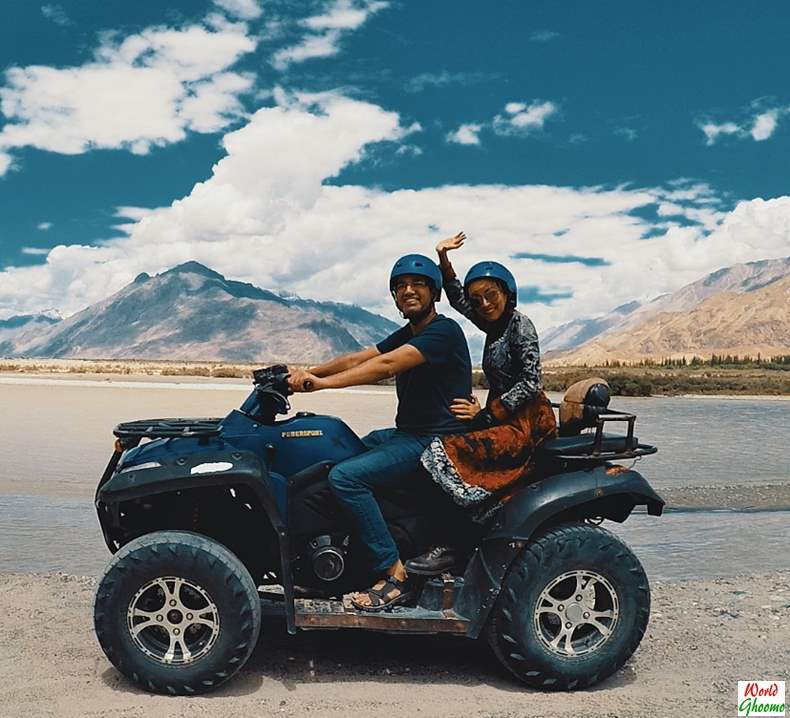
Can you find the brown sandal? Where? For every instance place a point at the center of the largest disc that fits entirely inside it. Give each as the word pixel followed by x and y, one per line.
pixel 382 599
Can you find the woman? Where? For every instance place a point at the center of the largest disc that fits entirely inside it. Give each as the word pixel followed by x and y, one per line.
pixel 481 468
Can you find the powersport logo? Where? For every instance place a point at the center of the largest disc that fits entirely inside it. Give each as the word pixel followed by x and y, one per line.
pixel 761 698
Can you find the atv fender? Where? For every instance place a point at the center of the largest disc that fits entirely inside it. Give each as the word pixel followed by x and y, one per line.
pixel 204 469
pixel 219 467
pixel 609 492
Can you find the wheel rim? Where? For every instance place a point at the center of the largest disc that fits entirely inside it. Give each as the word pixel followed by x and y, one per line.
pixel 576 613
pixel 173 621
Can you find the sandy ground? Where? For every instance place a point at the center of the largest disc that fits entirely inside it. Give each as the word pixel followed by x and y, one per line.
pixel 755 497
pixel 703 637
pixel 208 373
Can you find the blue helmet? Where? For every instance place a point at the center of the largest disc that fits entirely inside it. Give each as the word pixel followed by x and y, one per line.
pixel 419 265
pixel 493 270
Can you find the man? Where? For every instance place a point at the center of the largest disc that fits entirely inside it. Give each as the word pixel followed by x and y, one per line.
pixel 430 359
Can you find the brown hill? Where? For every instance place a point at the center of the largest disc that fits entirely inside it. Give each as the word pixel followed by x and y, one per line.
pixel 739 278
pixel 742 324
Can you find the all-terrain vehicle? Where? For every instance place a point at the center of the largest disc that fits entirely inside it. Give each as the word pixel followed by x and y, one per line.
pixel 214 521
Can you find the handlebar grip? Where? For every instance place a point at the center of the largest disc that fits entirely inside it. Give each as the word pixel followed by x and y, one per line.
pixel 307 385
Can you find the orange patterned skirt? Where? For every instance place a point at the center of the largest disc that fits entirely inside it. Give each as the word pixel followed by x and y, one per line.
pixel 474 467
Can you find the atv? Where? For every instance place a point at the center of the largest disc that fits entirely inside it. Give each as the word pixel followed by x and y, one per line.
pixel 214 522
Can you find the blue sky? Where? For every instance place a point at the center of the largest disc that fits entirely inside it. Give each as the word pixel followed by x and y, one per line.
pixel 606 151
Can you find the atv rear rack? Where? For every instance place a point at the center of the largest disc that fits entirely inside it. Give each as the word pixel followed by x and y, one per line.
pixel 630 447
pixel 167 428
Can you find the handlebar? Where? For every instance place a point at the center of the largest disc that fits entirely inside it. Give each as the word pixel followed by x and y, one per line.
pixel 275 378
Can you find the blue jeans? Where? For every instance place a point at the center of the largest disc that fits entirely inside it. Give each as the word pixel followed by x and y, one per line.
pixel 392 459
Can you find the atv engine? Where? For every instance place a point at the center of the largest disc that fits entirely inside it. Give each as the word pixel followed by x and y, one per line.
pixel 328 559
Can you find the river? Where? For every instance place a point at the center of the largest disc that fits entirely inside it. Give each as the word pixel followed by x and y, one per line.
pixel 56 437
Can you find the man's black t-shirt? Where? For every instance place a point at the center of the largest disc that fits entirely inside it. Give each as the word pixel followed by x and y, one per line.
pixel 426 391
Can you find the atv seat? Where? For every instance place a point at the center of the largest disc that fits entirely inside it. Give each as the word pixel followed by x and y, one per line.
pixel 582 445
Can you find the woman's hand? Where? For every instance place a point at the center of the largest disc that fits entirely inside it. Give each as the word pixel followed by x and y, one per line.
pixel 301 380
pixel 464 409
pixel 455 242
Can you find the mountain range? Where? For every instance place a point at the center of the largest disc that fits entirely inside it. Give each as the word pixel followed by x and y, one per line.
pixel 23 322
pixel 739 310
pixel 191 312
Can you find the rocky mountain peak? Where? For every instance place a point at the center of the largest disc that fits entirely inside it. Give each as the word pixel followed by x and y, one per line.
pixel 193 267
pixel 743 310
pixel 738 278
pixel 193 312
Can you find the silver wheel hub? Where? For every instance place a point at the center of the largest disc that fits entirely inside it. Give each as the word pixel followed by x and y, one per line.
pixel 173 621
pixel 576 613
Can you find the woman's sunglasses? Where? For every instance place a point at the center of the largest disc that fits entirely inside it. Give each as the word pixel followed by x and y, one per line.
pixel 490 296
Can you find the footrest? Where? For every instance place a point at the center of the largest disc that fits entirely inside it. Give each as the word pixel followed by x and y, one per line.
pixel 324 614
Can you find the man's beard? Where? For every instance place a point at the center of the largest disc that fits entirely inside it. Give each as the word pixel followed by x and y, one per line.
pixel 422 314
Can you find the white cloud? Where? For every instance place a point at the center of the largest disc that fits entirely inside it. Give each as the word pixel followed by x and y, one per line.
pixel 522 118
pixel 514 107
pixel 326 31
pixel 411 150
pixel 706 216
pixel 245 9
pixel 687 190
pixel 36 251
pixel 439 79
pixel 467 134
pixel 215 100
pixel 629 133
pixel 266 215
pixel 713 131
pixel 44 226
pixel 519 119
pixel 312 46
pixel 764 125
pixel 344 15
pixel 56 14
pixel 6 163
pixel 543 36
pixel 427 79
pixel 759 127
pixel 134 213
pixel 145 90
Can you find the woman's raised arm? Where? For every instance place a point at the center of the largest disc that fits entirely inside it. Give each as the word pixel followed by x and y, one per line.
pixel 452 287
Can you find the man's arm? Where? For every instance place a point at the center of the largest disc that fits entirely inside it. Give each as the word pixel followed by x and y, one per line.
pixel 381 366
pixel 344 363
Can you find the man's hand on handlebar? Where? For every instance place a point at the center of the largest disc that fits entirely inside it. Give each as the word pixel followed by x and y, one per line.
pixel 301 380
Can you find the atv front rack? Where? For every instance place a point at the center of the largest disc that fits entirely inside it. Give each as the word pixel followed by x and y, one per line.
pixel 167 428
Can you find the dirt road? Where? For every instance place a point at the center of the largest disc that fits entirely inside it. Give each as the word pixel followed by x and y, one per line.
pixel 703 637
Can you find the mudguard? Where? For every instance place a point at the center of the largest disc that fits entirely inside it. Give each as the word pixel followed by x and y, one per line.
pixel 218 465
pixel 187 467
pixel 609 492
